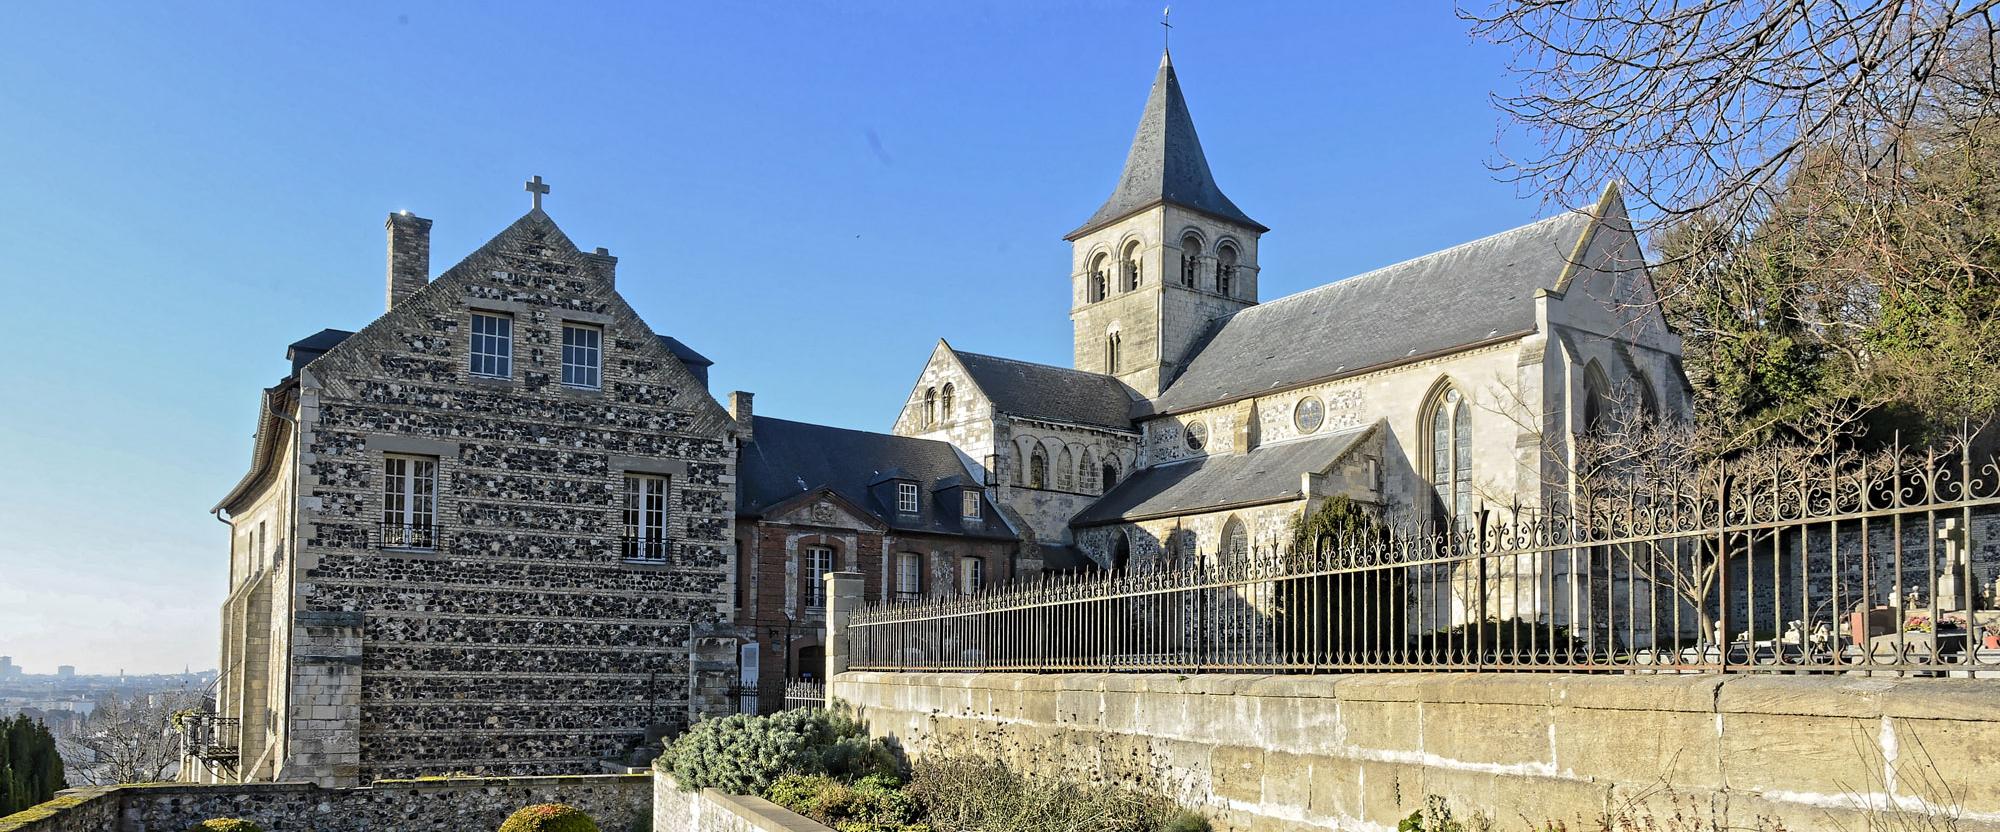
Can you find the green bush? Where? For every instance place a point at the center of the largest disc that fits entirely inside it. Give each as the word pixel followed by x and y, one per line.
pixel 549 817
pixel 872 804
pixel 226 825
pixel 745 754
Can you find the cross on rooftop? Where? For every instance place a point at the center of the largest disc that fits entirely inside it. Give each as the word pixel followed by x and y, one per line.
pixel 537 187
pixel 1166 14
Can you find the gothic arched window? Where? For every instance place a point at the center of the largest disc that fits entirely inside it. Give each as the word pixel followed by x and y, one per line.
pixel 1109 476
pixel 1099 277
pixel 1451 454
pixel 1235 540
pixel 1596 398
pixel 1190 260
pixel 1111 350
pixel 1065 468
pixel 1038 469
pixel 1085 469
pixel 944 402
pixel 1131 267
pixel 1225 270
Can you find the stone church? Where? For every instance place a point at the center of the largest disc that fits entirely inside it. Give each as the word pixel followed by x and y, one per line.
pixel 1198 419
pixel 485 533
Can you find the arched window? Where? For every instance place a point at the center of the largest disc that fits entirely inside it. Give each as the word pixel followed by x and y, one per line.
pixel 1111 352
pixel 930 407
pixel 1648 404
pixel 1131 267
pixel 1110 475
pixel 944 402
pixel 1451 454
pixel 1225 270
pixel 1190 260
pixel 1100 277
pixel 1038 469
pixel 1235 540
pixel 1017 467
pixel 1065 469
pixel 1121 552
pixel 1086 472
pixel 1596 398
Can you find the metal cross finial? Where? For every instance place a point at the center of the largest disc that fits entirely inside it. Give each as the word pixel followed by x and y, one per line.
pixel 1167 36
pixel 537 187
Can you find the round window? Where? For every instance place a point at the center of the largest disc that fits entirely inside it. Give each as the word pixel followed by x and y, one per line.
pixel 1309 414
pixel 1196 435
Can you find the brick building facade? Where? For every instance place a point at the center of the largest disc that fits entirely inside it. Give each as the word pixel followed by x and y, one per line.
pixel 479 535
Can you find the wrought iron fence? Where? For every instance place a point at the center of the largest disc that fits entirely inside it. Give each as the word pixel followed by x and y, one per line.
pixel 808 695
pixel 1831 564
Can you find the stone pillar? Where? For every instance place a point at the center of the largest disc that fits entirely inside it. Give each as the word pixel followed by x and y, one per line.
pixel 843 597
pixel 712 664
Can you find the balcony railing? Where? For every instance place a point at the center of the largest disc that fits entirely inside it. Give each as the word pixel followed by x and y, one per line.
pixel 410 536
pixel 212 739
pixel 645 549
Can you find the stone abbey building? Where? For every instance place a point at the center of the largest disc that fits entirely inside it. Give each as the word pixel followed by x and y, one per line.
pixel 506 528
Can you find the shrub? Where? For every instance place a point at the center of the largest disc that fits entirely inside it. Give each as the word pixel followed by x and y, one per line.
pixel 226 825
pixel 872 804
pixel 549 817
pixel 969 794
pixel 745 754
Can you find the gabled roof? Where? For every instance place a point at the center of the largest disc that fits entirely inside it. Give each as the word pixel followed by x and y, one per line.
pixel 1165 163
pixel 785 459
pixel 1479 291
pixel 1041 391
pixel 1268 474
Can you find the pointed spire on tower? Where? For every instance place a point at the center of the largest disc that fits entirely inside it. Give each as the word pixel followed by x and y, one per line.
pixel 1166 163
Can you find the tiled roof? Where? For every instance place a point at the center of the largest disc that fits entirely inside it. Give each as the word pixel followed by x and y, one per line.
pixel 1165 163
pixel 1040 391
pixel 1268 474
pixel 1461 295
pixel 786 459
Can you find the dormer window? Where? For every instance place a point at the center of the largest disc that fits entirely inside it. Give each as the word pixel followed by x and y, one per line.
pixel 906 497
pixel 969 505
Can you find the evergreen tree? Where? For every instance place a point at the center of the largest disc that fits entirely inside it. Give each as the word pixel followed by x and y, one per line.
pixel 30 769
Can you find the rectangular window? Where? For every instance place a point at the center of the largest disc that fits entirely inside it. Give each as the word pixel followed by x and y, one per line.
pixel 819 561
pixel 646 518
pixel 971 575
pixel 409 502
pixel 909 575
pixel 970 504
pixel 492 345
pixel 906 497
pixel 583 356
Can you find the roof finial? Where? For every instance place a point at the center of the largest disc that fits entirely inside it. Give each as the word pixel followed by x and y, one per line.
pixel 1167 35
pixel 537 187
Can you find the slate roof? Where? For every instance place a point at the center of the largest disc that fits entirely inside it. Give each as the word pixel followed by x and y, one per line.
pixel 696 363
pixel 1165 163
pixel 1267 474
pixel 1041 391
pixel 1461 295
pixel 786 459
pixel 304 350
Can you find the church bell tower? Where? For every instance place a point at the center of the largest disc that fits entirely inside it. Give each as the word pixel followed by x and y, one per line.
pixel 1164 257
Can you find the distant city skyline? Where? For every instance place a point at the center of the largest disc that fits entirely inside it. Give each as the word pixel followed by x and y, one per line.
pixel 812 207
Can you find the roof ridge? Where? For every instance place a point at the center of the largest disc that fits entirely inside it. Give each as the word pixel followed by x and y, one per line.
pixel 1350 280
pixel 1034 364
pixel 896 436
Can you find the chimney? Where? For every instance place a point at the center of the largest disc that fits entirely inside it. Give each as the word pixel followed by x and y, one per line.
pixel 739 409
pixel 409 256
pixel 606 265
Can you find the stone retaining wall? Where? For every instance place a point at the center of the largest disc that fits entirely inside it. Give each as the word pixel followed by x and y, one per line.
pixel 708 810
pixel 619 802
pixel 1364 751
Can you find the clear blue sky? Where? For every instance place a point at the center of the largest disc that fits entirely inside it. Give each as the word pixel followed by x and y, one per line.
pixel 811 194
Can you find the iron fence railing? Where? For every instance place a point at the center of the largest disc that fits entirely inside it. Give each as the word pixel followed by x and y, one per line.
pixel 809 695
pixel 410 536
pixel 209 739
pixel 644 549
pixel 1818 565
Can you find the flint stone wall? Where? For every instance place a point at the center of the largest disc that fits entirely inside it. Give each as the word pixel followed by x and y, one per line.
pixel 618 802
pixel 708 810
pixel 1364 751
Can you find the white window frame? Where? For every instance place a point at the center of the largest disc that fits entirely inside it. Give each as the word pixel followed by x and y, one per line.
pixel 491 347
pixel 970 506
pixel 818 560
pixel 906 497
pixel 909 575
pixel 583 356
pixel 409 501
pixel 648 504
pixel 971 575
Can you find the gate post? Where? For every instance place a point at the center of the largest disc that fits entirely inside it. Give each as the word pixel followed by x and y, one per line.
pixel 843 598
